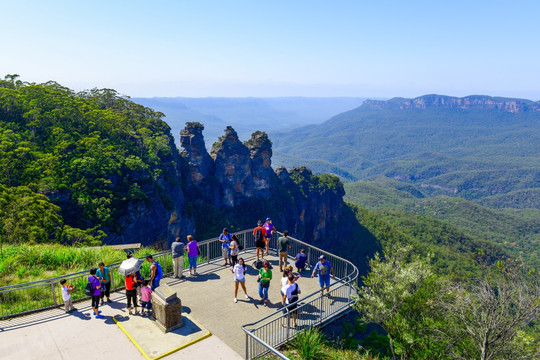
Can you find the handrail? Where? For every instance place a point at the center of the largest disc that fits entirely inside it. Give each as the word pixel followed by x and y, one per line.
pixel 265 334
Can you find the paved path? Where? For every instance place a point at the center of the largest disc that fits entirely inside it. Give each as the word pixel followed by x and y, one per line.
pixel 208 298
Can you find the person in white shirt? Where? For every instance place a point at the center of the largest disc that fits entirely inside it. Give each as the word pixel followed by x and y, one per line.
pixel 239 271
pixel 290 298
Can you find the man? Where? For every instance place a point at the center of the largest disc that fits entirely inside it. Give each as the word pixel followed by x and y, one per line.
pixel 282 243
pixel 258 235
pixel 177 249
pixel 300 260
pixel 103 273
pixel 155 272
pixel 225 240
pixel 290 298
pixel 268 230
pixel 324 268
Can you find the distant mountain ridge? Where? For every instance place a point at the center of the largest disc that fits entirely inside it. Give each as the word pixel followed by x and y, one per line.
pixel 481 148
pixel 449 102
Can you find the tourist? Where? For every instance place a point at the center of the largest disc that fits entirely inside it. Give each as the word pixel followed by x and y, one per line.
pixel 234 248
pixel 66 296
pixel 104 275
pixel 131 293
pixel 96 284
pixel 300 260
pixel 138 276
pixel 225 240
pixel 284 281
pixel 324 268
pixel 265 276
pixel 177 249
pixel 146 298
pixel 290 298
pixel 193 254
pixel 268 231
pixel 283 243
pixel 289 268
pixel 258 235
pixel 239 271
pixel 155 272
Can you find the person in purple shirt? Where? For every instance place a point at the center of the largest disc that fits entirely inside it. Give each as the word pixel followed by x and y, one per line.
pixel 96 285
pixel 269 230
pixel 193 254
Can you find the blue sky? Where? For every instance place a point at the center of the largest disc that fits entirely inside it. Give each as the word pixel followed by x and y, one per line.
pixel 276 48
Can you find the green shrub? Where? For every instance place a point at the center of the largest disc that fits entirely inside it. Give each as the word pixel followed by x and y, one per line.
pixel 310 344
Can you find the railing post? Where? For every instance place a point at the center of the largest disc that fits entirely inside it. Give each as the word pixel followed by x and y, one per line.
pixel 288 323
pixel 53 293
pixel 247 346
pixel 208 253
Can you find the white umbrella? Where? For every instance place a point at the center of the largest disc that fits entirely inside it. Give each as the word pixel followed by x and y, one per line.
pixel 129 266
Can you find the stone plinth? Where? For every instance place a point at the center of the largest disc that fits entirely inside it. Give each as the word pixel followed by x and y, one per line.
pixel 167 310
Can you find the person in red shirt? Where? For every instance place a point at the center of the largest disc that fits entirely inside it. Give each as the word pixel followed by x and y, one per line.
pixel 258 234
pixel 131 292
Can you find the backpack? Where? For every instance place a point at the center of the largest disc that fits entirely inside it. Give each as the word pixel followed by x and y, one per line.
pixel 258 234
pixel 89 289
pixel 258 264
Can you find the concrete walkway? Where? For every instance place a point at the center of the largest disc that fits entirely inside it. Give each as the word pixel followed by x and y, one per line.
pixel 208 298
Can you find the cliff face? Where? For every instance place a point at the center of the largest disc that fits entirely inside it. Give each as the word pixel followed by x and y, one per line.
pixel 245 183
pixel 160 218
pixel 449 102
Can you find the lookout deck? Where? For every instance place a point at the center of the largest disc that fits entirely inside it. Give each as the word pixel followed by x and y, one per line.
pixel 207 298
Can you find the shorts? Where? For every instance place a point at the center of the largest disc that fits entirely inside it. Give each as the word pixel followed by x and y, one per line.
pixel 324 281
pixel 294 303
pixel 146 305
pixel 226 252
pixel 238 280
pixel 260 244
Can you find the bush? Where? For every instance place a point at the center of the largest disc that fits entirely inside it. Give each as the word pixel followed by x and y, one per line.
pixel 310 345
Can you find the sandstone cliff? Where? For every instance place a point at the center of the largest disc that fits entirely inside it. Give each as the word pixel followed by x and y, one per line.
pixel 449 102
pixel 244 188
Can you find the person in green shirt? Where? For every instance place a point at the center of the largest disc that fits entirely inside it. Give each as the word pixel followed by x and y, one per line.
pixel 104 275
pixel 265 276
pixel 283 242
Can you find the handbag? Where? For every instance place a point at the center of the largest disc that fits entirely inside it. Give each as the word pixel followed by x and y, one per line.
pixel 265 284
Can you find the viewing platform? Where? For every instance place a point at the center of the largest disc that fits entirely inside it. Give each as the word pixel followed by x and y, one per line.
pixel 217 327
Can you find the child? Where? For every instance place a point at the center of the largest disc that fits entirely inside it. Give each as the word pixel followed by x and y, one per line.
pixel 146 298
pixel 66 296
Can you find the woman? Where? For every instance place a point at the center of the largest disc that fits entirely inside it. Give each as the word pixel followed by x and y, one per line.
pixel 239 272
pixel 131 292
pixel 96 293
pixel 284 281
pixel 265 276
pixel 234 250
pixel 193 254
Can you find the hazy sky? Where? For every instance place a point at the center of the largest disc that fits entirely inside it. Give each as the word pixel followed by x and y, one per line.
pixel 235 48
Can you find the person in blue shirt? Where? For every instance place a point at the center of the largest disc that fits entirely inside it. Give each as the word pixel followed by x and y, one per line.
pixel 225 240
pixel 300 260
pixel 155 272
pixel 324 268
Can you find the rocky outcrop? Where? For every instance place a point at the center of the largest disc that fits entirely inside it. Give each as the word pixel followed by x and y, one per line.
pixel 309 206
pixel 449 102
pixel 200 164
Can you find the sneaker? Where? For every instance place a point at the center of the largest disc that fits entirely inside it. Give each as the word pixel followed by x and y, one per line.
pixel 195 273
pixel 247 297
pixel 235 300
pixel 109 300
pixel 264 304
pixel 99 316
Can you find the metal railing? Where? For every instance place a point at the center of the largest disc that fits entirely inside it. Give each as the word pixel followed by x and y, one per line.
pixel 262 336
pixel 265 335
pixel 25 298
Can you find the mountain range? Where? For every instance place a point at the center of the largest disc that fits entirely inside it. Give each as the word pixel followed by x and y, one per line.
pixel 247 115
pixel 481 148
